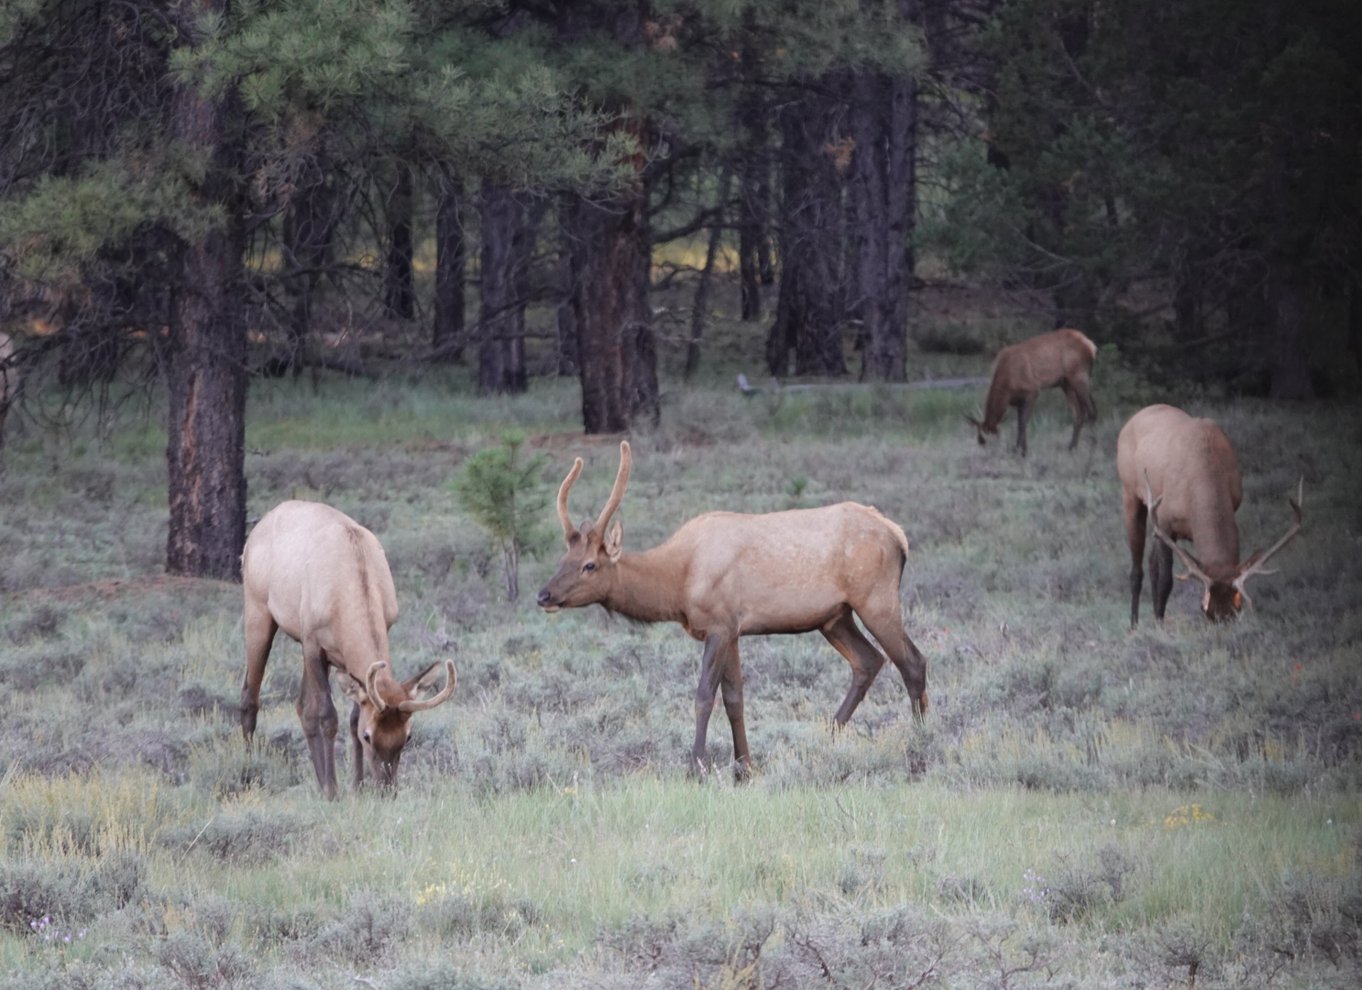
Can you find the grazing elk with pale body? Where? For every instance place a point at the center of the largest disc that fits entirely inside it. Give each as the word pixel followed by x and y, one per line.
pixel 1180 473
pixel 322 578
pixel 1059 358
pixel 724 575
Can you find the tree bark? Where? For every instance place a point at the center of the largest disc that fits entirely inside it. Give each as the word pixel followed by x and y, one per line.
pixel 309 227
pixel 699 310
pixel 399 295
pixel 206 374
pixel 610 262
pixel 501 325
pixel 883 193
pixel 809 307
pixel 754 186
pixel 448 328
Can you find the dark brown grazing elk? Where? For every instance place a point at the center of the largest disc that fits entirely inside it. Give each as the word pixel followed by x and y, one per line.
pixel 1181 474
pixel 724 575
pixel 315 573
pixel 1060 357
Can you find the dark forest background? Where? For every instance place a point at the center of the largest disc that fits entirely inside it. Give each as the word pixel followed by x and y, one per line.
pixel 193 194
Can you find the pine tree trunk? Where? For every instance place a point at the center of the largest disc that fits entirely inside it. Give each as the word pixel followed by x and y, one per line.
pixel 206 372
pixel 610 260
pixel 448 328
pixel 308 229
pixel 754 188
pixel 883 195
pixel 1289 363
pixel 809 312
pixel 566 345
pixel 501 325
pixel 699 310
pixel 399 294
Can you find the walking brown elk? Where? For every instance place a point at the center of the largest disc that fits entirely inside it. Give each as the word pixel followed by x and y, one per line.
pixel 1060 357
pixel 315 573
pixel 725 575
pixel 1181 474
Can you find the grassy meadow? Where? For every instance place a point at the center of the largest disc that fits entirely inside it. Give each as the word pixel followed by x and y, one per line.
pixel 1084 806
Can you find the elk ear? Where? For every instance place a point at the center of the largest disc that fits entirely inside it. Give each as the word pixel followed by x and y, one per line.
pixel 423 681
pixel 352 688
pixel 614 542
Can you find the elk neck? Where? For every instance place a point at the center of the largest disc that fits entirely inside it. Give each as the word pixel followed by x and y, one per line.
pixel 648 586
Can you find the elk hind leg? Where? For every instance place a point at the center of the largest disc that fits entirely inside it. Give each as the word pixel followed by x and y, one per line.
pixel 883 616
pixel 1080 405
pixel 260 630
pixel 865 660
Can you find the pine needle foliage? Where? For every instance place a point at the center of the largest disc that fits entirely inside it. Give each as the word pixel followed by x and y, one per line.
pixel 500 489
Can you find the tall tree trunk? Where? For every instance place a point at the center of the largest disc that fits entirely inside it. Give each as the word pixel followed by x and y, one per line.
pixel 309 227
pixel 809 312
pixel 699 310
pixel 754 185
pixel 566 344
pixel 501 325
pixel 1288 361
pixel 448 329
pixel 399 295
pixel 883 194
pixel 206 373
pixel 610 261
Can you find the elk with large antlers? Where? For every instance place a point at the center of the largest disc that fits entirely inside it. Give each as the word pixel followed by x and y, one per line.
pixel 1059 358
pixel 1181 474
pixel 315 573
pixel 724 575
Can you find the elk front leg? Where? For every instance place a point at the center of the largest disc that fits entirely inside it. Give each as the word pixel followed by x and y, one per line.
pixel 711 673
pixel 732 692
pixel 1023 414
pixel 260 628
pixel 356 751
pixel 1137 514
pixel 317 713
pixel 1161 575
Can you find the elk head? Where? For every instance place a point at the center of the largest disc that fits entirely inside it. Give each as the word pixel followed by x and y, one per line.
pixel 980 428
pixel 585 572
pixel 381 729
pixel 1223 593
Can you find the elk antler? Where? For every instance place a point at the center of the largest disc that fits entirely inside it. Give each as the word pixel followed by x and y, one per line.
pixel 1193 565
pixel 616 493
pixel 1254 565
pixel 451 679
pixel 563 489
pixel 374 698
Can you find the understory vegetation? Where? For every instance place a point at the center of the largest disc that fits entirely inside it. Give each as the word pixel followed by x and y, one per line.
pixel 1084 806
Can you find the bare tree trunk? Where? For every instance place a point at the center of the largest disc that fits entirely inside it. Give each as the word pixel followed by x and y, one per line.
pixel 501 326
pixel 809 314
pixel 399 295
pixel 448 328
pixel 309 228
pixel 883 194
pixel 206 373
pixel 1289 363
pixel 754 187
pixel 610 307
pixel 699 310
pixel 566 346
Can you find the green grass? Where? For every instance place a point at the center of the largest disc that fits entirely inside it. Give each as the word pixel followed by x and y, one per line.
pixel 1084 805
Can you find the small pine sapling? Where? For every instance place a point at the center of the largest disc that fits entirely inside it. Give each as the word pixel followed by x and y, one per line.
pixel 500 489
